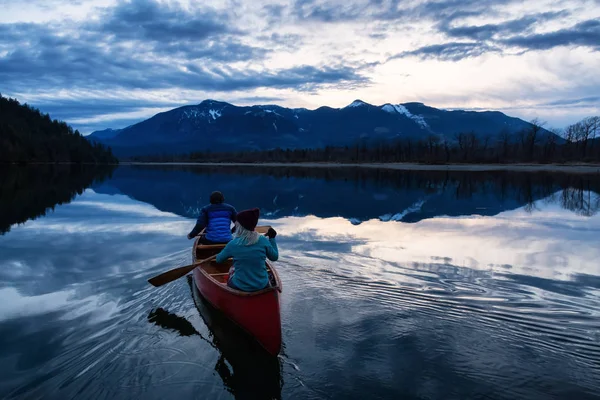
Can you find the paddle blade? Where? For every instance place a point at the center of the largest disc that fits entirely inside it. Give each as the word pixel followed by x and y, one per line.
pixel 262 229
pixel 171 275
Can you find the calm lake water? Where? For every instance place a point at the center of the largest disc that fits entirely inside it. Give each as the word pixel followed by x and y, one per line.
pixel 413 285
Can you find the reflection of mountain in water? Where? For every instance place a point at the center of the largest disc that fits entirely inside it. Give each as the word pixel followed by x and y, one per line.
pixel 27 192
pixel 356 194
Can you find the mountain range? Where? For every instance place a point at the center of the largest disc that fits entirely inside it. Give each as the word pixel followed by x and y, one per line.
pixel 219 126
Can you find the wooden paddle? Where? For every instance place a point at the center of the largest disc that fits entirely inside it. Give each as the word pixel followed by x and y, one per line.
pixel 176 273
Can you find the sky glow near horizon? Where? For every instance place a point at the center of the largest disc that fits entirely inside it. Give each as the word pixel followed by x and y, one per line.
pixel 108 64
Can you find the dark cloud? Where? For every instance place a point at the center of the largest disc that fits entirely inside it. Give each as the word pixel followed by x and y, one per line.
pixel 363 10
pixel 68 109
pixel 171 30
pixel 135 29
pixel 312 10
pixel 454 51
pixel 391 10
pixel 225 50
pixel 257 99
pixel 53 61
pixel 378 35
pixel 194 49
pixel 302 77
pixel 274 12
pixel 518 33
pixel 282 41
pixel 488 31
pixel 590 100
pixel 495 37
pixel 446 15
pixel 585 33
pixel 449 10
pixel 162 22
pixel 10 34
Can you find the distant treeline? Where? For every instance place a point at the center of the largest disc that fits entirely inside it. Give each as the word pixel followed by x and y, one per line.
pixel 579 142
pixel 28 136
pixel 28 192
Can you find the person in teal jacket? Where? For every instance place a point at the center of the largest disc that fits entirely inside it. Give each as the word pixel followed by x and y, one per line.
pixel 249 251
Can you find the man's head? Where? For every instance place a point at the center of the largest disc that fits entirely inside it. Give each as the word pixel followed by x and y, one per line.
pixel 216 198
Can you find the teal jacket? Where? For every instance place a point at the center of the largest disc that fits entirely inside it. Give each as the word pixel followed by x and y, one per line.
pixel 249 262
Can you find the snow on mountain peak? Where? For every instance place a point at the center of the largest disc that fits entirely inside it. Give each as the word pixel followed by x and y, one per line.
pixel 192 113
pixel 214 113
pixel 356 103
pixel 400 109
pixel 389 108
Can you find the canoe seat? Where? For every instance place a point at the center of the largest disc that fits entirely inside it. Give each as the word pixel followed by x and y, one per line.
pixel 213 268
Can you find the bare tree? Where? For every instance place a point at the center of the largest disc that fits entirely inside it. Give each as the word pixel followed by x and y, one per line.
pixel 550 145
pixel 581 135
pixel 589 131
pixel 504 143
pixel 447 150
pixel 532 136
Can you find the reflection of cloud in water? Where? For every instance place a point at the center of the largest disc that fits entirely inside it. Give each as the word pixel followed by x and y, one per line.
pixel 15 305
pixel 555 245
pixel 142 209
pixel 95 213
pixel 478 294
pixel 93 242
pixel 174 228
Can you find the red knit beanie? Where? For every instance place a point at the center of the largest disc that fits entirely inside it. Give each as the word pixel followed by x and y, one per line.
pixel 248 218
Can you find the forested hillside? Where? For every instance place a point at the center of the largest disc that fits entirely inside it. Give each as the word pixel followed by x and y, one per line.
pixel 580 144
pixel 28 136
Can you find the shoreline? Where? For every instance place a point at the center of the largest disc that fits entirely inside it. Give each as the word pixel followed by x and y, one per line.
pixel 567 168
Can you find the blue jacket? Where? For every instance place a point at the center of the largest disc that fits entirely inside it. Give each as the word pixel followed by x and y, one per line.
pixel 217 219
pixel 250 272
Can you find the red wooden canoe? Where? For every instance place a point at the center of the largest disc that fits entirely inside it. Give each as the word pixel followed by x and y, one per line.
pixel 255 312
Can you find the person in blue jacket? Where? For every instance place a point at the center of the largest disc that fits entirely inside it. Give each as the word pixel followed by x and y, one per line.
pixel 249 251
pixel 216 218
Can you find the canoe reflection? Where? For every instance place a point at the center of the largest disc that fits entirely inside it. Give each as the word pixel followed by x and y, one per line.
pixel 167 320
pixel 254 374
pixel 247 370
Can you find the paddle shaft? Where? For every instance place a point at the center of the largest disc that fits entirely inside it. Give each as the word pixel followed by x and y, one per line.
pixel 176 273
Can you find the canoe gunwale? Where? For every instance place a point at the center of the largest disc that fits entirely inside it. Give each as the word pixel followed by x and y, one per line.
pixel 236 292
pixel 240 292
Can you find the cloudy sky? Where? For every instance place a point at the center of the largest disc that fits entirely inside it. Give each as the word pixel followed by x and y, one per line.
pixel 109 63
